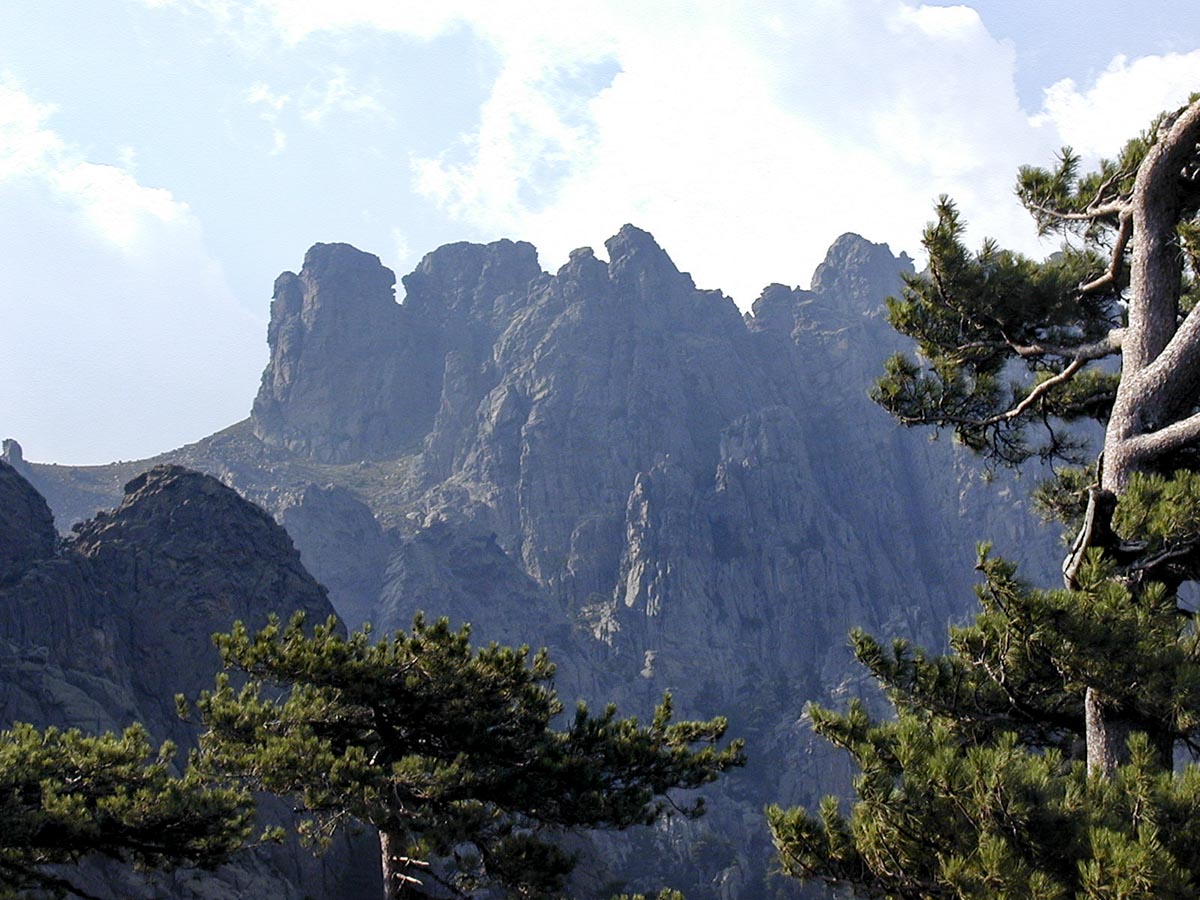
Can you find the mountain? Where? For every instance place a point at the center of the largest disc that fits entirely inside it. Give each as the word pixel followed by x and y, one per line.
pixel 616 464
pixel 104 628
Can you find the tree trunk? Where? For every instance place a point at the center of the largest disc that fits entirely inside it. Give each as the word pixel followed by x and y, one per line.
pixel 1108 732
pixel 1107 735
pixel 1159 376
pixel 1108 726
pixel 398 867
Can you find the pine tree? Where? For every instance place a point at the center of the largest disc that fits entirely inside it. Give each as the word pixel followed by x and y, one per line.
pixel 978 787
pixel 1037 757
pixel 66 795
pixel 450 752
pixel 1122 290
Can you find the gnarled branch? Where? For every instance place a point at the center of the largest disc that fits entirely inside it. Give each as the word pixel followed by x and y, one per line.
pixel 1173 437
pixel 1116 207
pixel 1118 252
pixel 1108 346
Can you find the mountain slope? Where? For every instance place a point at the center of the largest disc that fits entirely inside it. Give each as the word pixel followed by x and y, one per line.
pixel 616 464
pixel 105 629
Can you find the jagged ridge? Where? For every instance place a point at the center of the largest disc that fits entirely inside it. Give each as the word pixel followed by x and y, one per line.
pixel 615 463
pixel 107 628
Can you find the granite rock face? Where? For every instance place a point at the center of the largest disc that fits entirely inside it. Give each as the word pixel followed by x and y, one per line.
pixel 339 308
pixel 353 375
pixel 673 496
pixel 181 557
pixel 27 532
pixel 343 546
pixel 617 464
pixel 672 478
pixel 106 629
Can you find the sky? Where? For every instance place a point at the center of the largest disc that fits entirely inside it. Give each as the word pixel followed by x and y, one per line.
pixel 161 161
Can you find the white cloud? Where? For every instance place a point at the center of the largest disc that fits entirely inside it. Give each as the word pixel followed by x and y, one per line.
pixel 128 157
pixel 315 103
pixel 746 135
pixel 261 94
pixel 748 141
pixel 270 106
pixel 25 146
pixel 108 291
pixel 247 21
pixel 951 23
pixel 337 95
pixel 118 208
pixel 1098 120
pixel 401 248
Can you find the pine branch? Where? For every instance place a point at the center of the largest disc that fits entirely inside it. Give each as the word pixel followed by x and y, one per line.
pixel 1109 346
pixel 1038 392
pixel 1118 253
pixel 1155 444
pixel 1116 207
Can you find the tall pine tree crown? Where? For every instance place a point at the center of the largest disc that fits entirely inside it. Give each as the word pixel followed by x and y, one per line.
pixel 1037 757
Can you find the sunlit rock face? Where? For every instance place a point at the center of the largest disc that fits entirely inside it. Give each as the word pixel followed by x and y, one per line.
pixel 615 463
pixel 683 486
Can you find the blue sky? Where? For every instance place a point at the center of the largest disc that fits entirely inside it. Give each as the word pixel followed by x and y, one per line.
pixel 161 161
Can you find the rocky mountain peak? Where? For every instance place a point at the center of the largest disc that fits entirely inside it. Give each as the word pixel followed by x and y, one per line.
pixel 466 279
pixel 354 376
pixel 606 461
pixel 860 272
pixel 341 295
pixel 583 278
pixel 108 630
pixel 638 264
pixel 191 554
pixel 353 273
pixel 146 584
pixel 172 508
pixel 632 242
pixel 776 308
pixel 341 307
pixel 11 453
pixel 26 524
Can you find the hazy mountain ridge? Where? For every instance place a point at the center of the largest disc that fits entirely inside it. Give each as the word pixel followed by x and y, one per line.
pixel 103 629
pixel 616 464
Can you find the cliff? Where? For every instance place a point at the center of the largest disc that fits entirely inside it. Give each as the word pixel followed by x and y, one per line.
pixel 617 464
pixel 105 629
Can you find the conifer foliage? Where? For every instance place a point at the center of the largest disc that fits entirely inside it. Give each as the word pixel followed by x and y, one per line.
pixel 978 787
pixel 449 751
pixel 1038 757
pixel 66 795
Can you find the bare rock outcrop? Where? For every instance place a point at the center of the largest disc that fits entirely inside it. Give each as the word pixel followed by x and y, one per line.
pixel 340 309
pixel 26 525
pixel 342 544
pixel 616 463
pixel 134 595
pixel 353 375
pixel 105 629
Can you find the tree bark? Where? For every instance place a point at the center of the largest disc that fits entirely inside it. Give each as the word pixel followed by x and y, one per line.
pixel 1160 373
pixel 1107 735
pixel 398 867
pixel 1108 732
